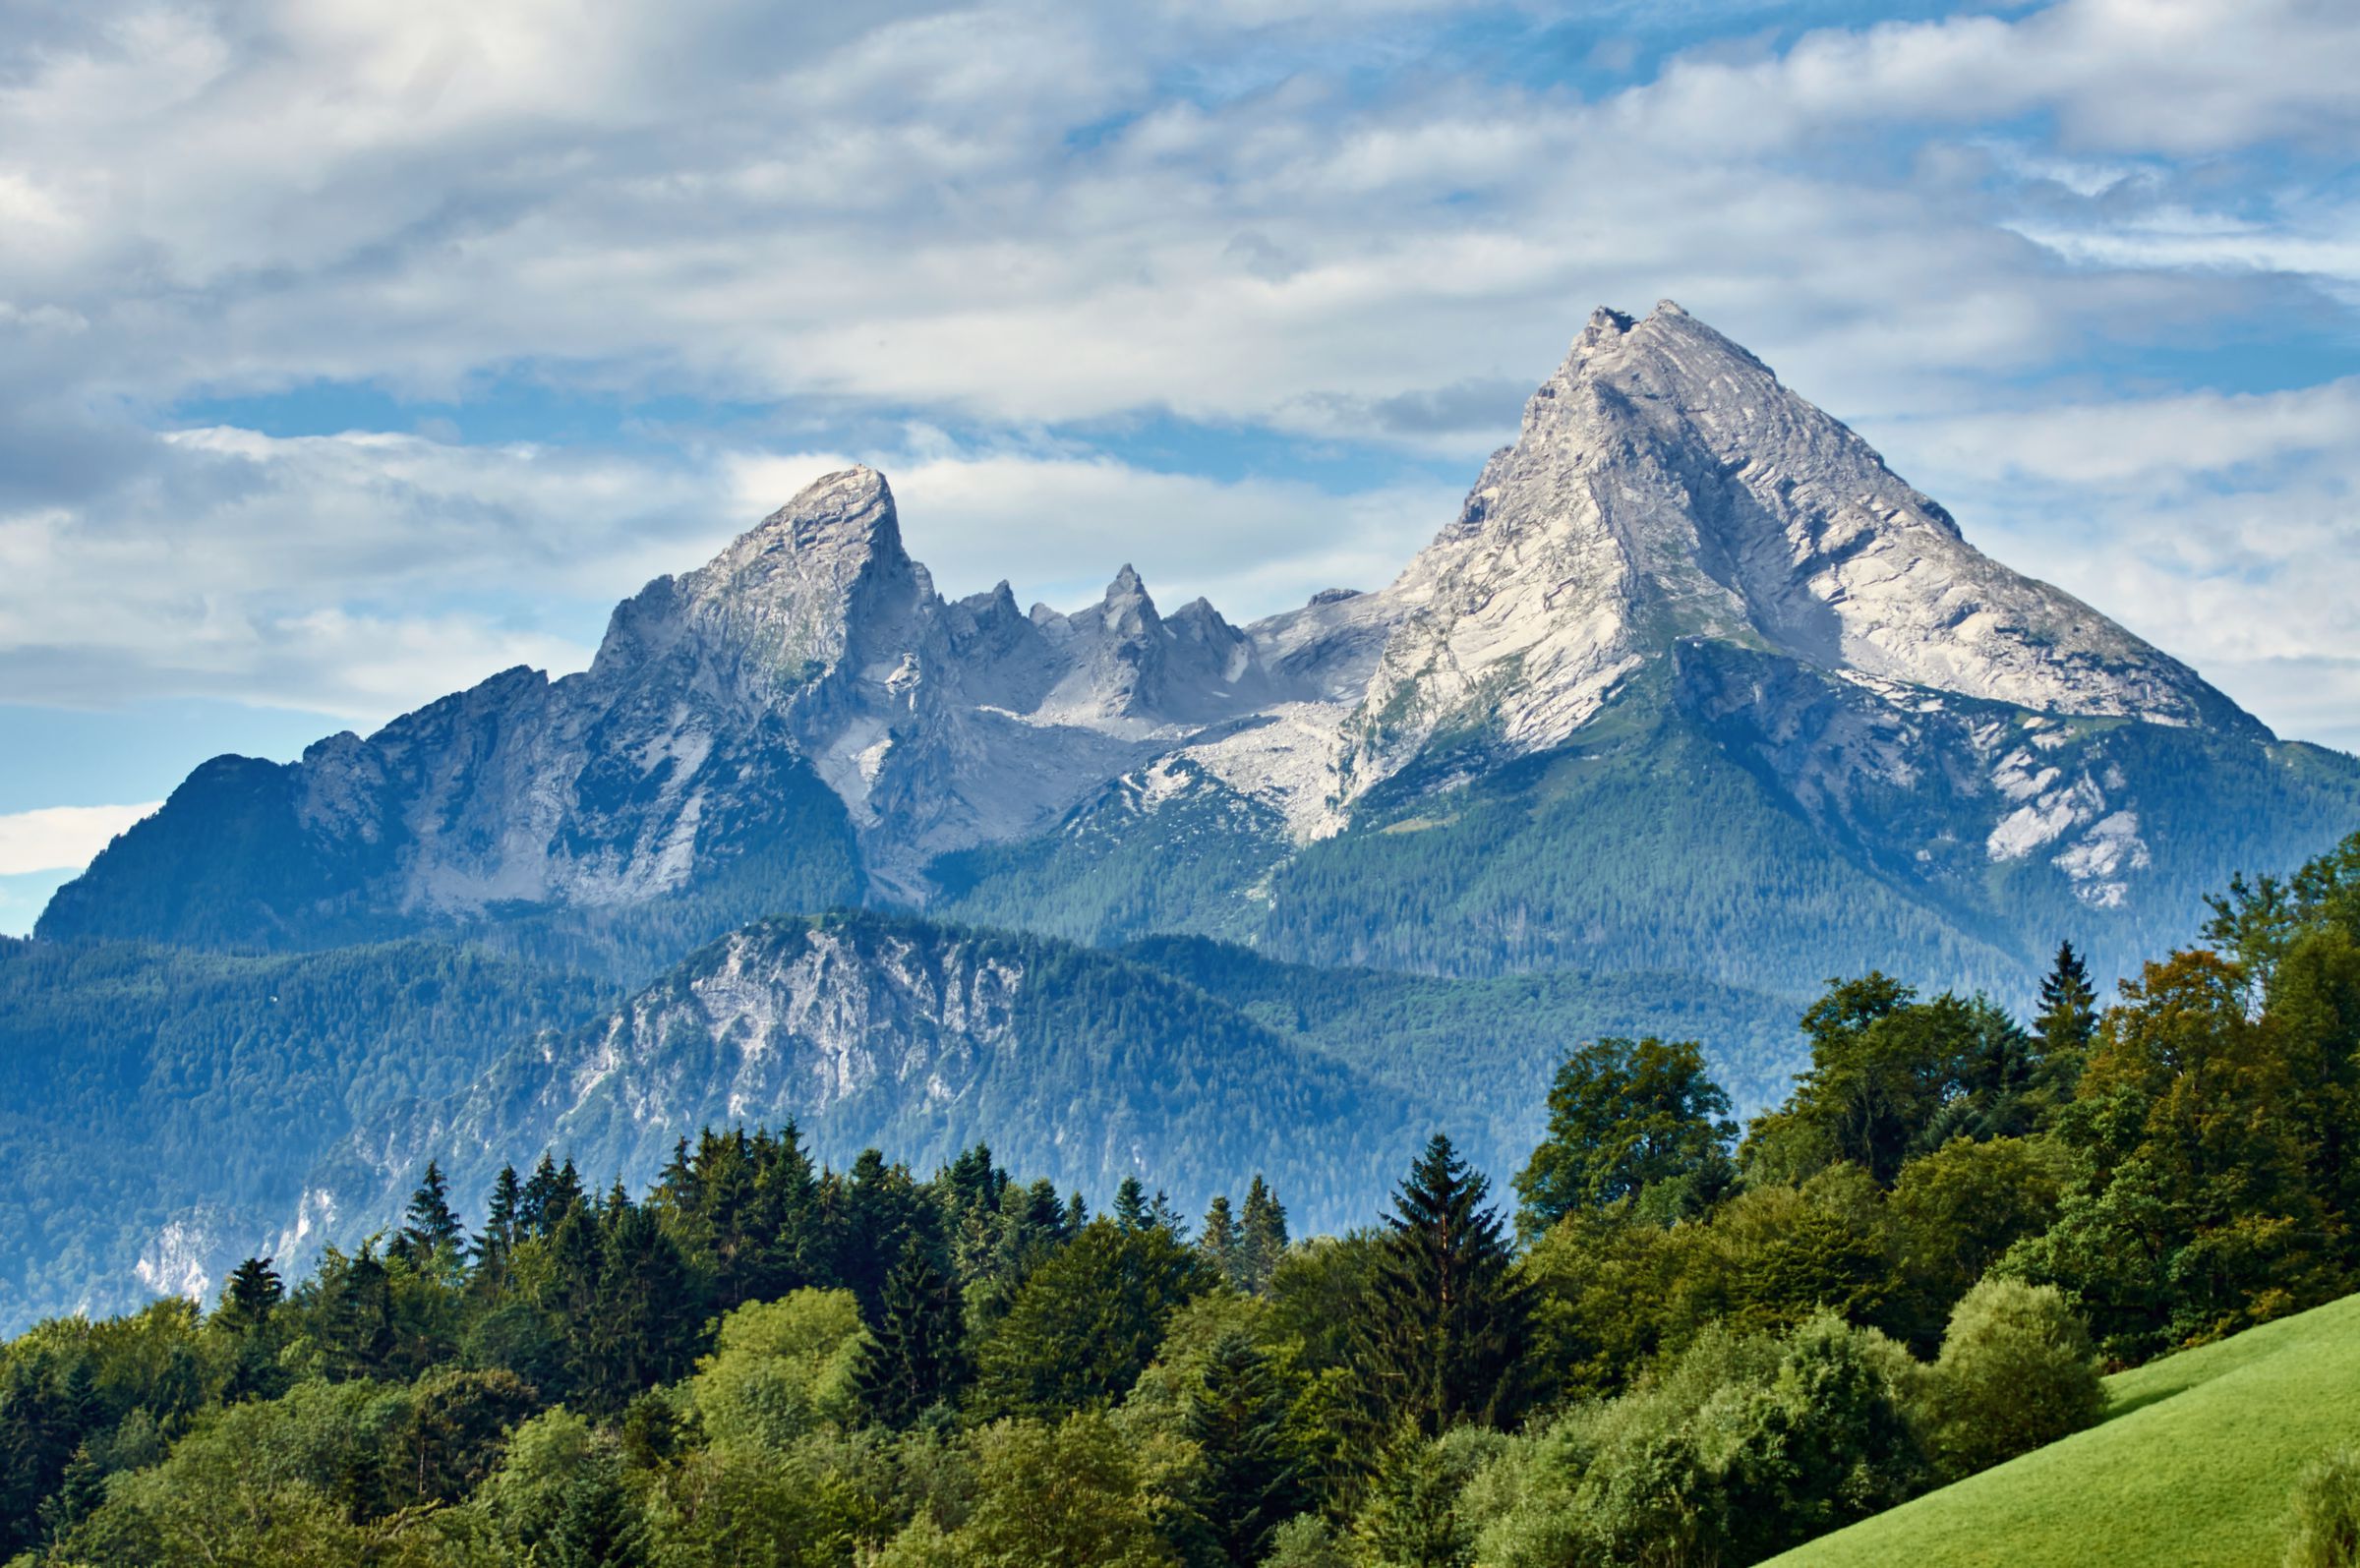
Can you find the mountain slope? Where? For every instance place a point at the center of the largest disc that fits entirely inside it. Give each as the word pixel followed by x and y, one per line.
pixel 159 1109
pixel 2194 1466
pixel 1485 1051
pixel 917 1039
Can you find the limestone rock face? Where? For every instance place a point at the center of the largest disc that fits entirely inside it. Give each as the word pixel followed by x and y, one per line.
pixel 1667 487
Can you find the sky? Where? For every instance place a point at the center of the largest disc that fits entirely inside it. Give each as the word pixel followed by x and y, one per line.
pixel 350 353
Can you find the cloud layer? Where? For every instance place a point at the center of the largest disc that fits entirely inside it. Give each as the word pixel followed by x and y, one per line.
pixel 348 353
pixel 61 837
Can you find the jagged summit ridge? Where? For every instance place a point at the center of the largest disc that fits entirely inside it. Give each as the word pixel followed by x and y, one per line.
pixel 1666 498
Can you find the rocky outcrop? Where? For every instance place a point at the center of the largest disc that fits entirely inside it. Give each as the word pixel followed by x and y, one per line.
pixel 863 1031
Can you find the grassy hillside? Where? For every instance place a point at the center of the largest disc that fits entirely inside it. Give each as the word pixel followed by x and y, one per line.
pixel 2193 1467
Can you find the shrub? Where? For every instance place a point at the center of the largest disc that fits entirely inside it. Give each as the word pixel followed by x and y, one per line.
pixel 2016 1371
pixel 780 1369
pixel 1304 1541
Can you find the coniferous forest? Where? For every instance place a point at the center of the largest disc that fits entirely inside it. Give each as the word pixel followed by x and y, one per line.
pixel 1669 1341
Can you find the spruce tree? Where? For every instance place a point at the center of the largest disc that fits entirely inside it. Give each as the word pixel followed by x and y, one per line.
pixel 787 1247
pixel 916 1358
pixel 253 1293
pixel 1223 1245
pixel 1131 1204
pixel 643 1318
pixel 431 1228
pixel 1166 1215
pixel 80 1491
pixel 355 1332
pixel 503 1210
pixel 577 1258
pixel 533 1216
pixel 1444 1337
pixel 2068 1018
pixel 1251 1479
pixel 547 1198
pixel 1264 1238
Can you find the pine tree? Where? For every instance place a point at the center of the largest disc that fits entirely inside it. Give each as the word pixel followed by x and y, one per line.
pixel 2068 1018
pixel 1251 1479
pixel 253 1293
pixel 1444 1337
pixel 1264 1239
pixel 1223 1245
pixel 502 1214
pixel 916 1358
pixel 432 1229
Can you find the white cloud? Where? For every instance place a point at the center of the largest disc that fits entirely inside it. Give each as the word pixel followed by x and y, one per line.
pixel 1009 211
pixel 62 838
pixel 2221 528
pixel 1009 216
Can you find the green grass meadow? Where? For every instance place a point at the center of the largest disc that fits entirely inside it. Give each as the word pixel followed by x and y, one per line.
pixel 2193 1467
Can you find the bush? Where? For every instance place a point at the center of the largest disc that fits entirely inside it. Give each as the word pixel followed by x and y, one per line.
pixel 2016 1371
pixel 1304 1541
pixel 780 1369
pixel 2324 1531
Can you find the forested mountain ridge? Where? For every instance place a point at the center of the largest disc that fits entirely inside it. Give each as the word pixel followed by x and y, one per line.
pixel 1181 1059
pixel 1685 610
pixel 864 1030
pixel 161 1107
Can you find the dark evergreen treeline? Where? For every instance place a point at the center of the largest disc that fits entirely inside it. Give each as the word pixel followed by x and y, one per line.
pixel 1681 1347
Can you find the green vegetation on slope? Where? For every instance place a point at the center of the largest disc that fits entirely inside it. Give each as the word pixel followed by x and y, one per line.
pixel 1485 1049
pixel 867 1030
pixel 2194 1467
pixel 142 1085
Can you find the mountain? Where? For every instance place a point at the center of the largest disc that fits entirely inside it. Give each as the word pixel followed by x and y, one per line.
pixel 1188 1064
pixel 161 1108
pixel 1694 683
pixel 918 1039
pixel 170 1112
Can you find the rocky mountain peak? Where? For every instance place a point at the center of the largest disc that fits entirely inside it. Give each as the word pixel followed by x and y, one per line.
pixel 1666 487
pixel 851 510
pixel 1127 613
